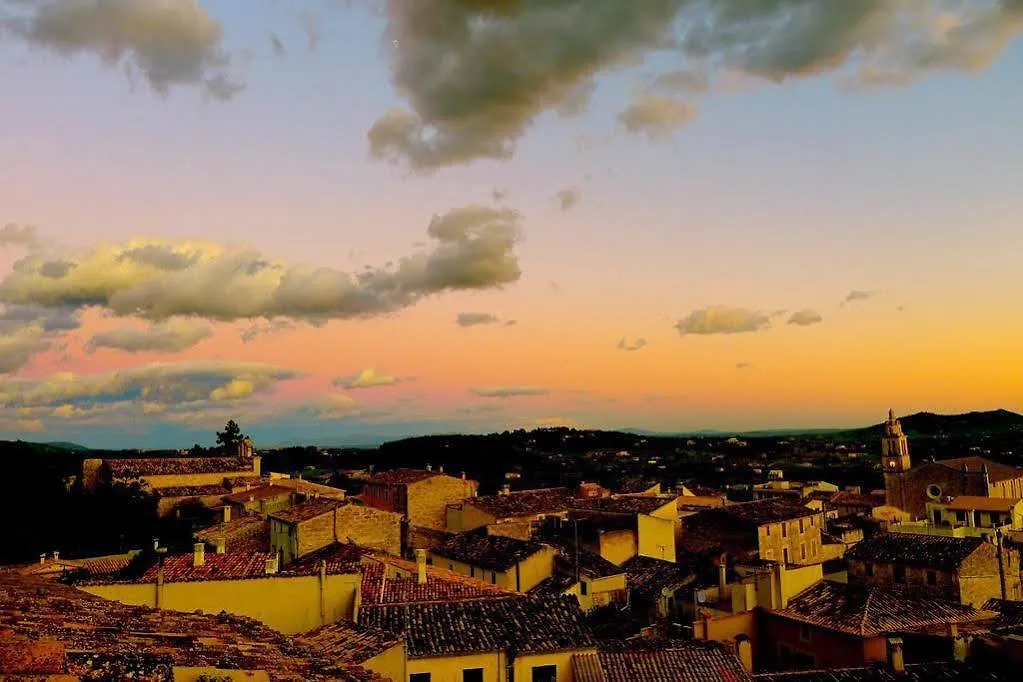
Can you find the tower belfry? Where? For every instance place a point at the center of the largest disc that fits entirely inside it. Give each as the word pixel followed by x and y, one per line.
pixel 894 446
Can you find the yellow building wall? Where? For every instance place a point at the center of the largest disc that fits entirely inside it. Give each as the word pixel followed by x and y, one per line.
pixel 428 499
pixel 290 605
pixel 668 512
pixel 194 674
pixel 599 592
pixel 390 664
pixel 283 541
pixel 535 569
pixel 525 663
pixel 468 517
pixel 656 537
pixel 449 668
pixel 618 546
pixel 795 580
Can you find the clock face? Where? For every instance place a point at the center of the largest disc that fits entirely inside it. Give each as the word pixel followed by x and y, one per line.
pixel 891 464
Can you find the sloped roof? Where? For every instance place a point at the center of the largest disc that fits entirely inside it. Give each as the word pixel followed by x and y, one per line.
pixel 441 585
pixel 621 505
pixel 403 476
pixel 493 552
pixel 162 466
pixel 647 577
pixel 692 662
pixel 926 551
pixel 939 671
pixel 132 640
pixel 770 510
pixel 979 503
pixel 868 611
pixel 348 642
pixel 996 471
pixel 305 511
pixel 530 624
pixel 523 502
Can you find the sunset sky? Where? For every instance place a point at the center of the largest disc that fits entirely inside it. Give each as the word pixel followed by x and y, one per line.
pixel 342 222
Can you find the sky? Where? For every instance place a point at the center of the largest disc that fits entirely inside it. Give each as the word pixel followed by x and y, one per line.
pixel 343 222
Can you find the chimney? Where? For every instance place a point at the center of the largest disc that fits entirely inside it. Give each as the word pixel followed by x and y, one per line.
pixel 429 467
pixel 722 575
pixel 199 554
pixel 440 469
pixel 745 652
pixel 221 545
pixel 463 475
pixel 896 662
pixel 271 565
pixel 227 513
pixel 42 559
pixel 421 566
pixel 156 544
pixel 506 489
pixel 56 555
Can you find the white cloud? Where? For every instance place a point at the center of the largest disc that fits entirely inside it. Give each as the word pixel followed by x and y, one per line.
pixel 169 42
pixel 722 320
pixel 172 336
pixel 26 330
pixel 475 319
pixel 476 74
pixel 509 391
pixel 368 378
pixel 472 248
pixel 805 318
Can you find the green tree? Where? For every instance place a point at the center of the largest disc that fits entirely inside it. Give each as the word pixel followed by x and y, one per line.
pixel 231 436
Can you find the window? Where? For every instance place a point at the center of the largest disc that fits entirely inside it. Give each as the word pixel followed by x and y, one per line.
pixel 584 587
pixel 545 673
pixel 932 578
pixel 800 525
pixel 784 531
pixel 899 573
pixel 934 491
pixel 805 634
pixel 767 531
pixel 868 570
pixel 451 566
pixel 786 556
pixel 419 677
pixel 472 675
pixel 811 522
pixel 472 571
pixel 493 577
pixel 802 552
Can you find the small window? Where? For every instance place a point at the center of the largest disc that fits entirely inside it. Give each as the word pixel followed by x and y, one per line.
pixel 472 571
pixel 811 522
pixel 868 570
pixel 805 633
pixel 784 530
pixel 767 531
pixel 472 675
pixel 545 673
pixel 934 491
pixel 802 552
pixel 419 677
pixel 584 588
pixel 493 578
pixel 932 578
pixel 800 525
pixel 899 573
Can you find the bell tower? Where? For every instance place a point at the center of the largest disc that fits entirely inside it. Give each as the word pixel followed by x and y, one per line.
pixel 894 447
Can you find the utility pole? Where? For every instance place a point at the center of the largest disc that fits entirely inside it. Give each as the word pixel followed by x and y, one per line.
pixel 1001 566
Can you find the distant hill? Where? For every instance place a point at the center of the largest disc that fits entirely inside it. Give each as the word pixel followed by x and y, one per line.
pixel 930 425
pixel 22 446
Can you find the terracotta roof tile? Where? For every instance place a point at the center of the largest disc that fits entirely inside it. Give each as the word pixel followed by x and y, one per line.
pixel 402 476
pixel 404 588
pixel 306 511
pixel 771 510
pixel 161 466
pixel 996 471
pixel 192 491
pixel 339 558
pixel 926 551
pixel 940 671
pixel 621 505
pixel 868 611
pixel 988 504
pixel 647 577
pixel 530 624
pixel 263 492
pixel 244 532
pixel 348 642
pixel 129 641
pixel 849 499
pixel 692 662
pixel 228 566
pixel 524 503
pixel 493 552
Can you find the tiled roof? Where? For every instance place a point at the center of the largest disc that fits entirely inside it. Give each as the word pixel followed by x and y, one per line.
pixel 637 485
pixel 441 585
pixel 530 624
pixel 868 611
pixel 849 499
pixel 926 551
pixel 987 504
pixel 688 501
pixel 771 510
pixel 647 577
pixel 131 641
pixel 192 491
pixel 348 642
pixel 97 567
pixel 161 466
pixel 692 662
pixel 621 505
pixel 339 558
pixel 995 470
pixel 228 566
pixel 591 564
pixel 556 584
pixel 250 533
pixel 523 502
pixel 263 492
pixel 493 552
pixel 1010 613
pixel 940 671
pixel 402 476
pixel 306 511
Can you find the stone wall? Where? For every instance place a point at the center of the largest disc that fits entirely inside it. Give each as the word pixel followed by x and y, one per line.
pixel 797 536
pixel 428 499
pixel 370 528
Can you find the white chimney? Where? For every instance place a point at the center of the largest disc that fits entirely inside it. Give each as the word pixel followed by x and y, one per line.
pixel 440 469
pixel 429 467
pixel 421 566
pixel 221 545
pixel 227 513
pixel 42 559
pixel 199 554
pixel 271 565
pixel 56 555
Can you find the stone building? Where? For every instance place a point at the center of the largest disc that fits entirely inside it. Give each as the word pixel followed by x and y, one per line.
pixel 298 531
pixel 422 496
pixel 510 563
pixel 910 488
pixel 773 529
pixel 508 513
pixel 964 570
pixel 169 472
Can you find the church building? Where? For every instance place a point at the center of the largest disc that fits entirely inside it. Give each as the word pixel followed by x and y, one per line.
pixel 910 488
